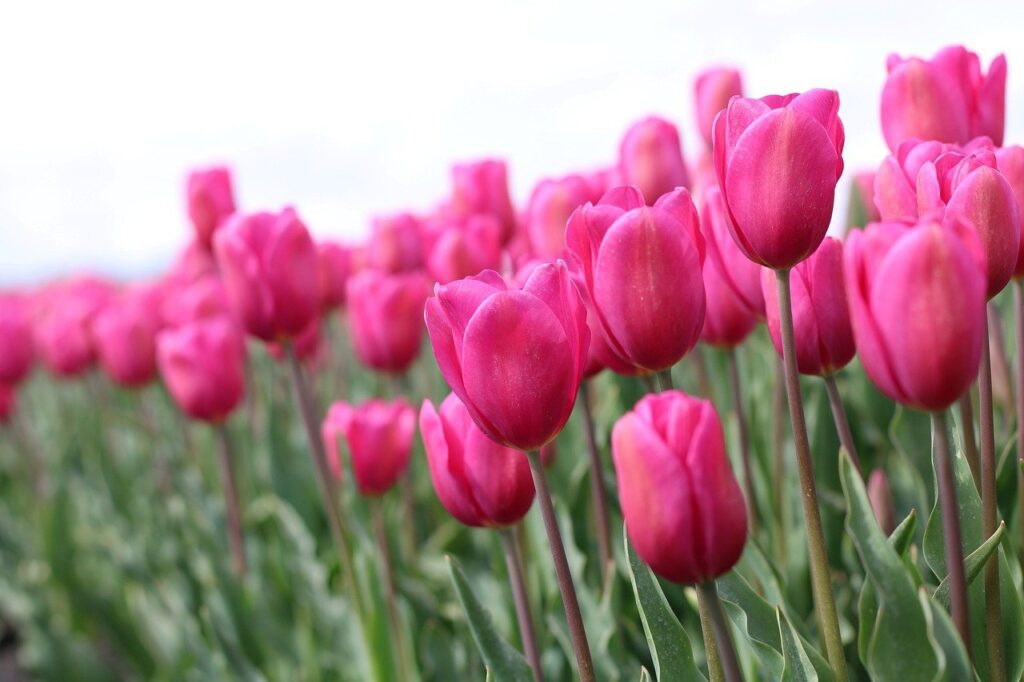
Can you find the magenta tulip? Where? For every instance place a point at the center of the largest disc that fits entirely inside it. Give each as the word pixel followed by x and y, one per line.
pixel 683 508
pixel 385 318
pixel 205 297
pixel 63 332
pixel 396 243
pixel 211 201
pixel 203 365
pixel 551 204
pixel 778 160
pixel 379 436
pixel 651 158
pixel 482 187
pixel 17 348
pixel 192 263
pixel 124 333
pixel 712 91
pixel 460 248
pixel 1010 161
pixel 335 264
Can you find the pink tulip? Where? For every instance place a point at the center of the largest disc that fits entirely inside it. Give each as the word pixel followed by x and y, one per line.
pixel 193 262
pixel 307 345
pixel 946 98
pixel 482 187
pixel 917 301
pixel 642 269
pixel 514 357
pixel 712 91
pixel 204 297
pixel 600 356
pixel 335 264
pixel 396 243
pixel 1010 161
pixel 479 482
pixel 8 403
pixel 460 248
pixel 63 333
pixel 203 365
pixel 385 318
pixel 269 265
pixel 778 160
pixel 124 333
pixel 379 436
pixel 651 158
pixel 683 508
pixel 210 200
pixel 551 204
pixel 17 351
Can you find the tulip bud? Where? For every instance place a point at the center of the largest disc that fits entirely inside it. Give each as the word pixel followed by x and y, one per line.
pixel 712 91
pixel 917 302
pixel 514 357
pixel 124 333
pixel 334 266
pixel 482 187
pixel 683 508
pixel 778 160
pixel 17 350
pixel 651 158
pixel 460 248
pixel 396 243
pixel 379 436
pixel 269 265
pixel 880 496
pixel 8 403
pixel 385 318
pixel 210 201
pixel 946 98
pixel 203 365
pixel 642 269
pixel 479 482
pixel 1010 161
pixel 551 204
pixel 64 330
pixel 821 319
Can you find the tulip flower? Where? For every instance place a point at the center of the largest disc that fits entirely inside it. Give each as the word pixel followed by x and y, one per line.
pixel 385 318
pixel 479 482
pixel 460 248
pixel 396 243
pixel 17 350
pixel 1010 162
pixel 205 297
pixel 192 263
pixel 379 436
pixel 269 265
pixel 778 160
pixel 651 158
pixel 64 331
pixel 334 266
pixel 642 270
pixel 203 365
pixel 210 201
pixel 8 402
pixel 551 204
pixel 124 333
pixel 482 187
pixel 712 91
pixel 946 98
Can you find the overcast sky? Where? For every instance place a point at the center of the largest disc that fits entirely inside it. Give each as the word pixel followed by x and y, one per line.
pixel 348 109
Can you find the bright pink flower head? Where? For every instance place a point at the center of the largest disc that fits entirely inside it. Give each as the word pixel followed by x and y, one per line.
pixel 204 297
pixel 683 508
pixel 651 158
pixel 385 318
pixel 462 247
pixel 778 160
pixel 211 201
pixel 946 98
pixel 821 318
pixel 1010 161
pixel 379 436
pixel 479 482
pixel 396 243
pixel 600 356
pixel 124 333
pixel 269 265
pixel 482 187
pixel 192 263
pixel 17 347
pixel 551 204
pixel 712 91
pixel 514 357
pixel 203 365
pixel 732 282
pixel 335 264
pixel 63 333
pixel 8 403
pixel 642 269
pixel 917 301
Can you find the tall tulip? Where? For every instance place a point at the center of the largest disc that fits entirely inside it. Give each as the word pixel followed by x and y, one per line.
pixel 396 243
pixel 63 332
pixel 124 333
pixel 210 199
pixel 17 350
pixel 384 318
pixel 482 187
pixel 379 436
pixel 552 202
pixel 335 264
pixel 712 90
pixel 462 247
pixel 651 158
pixel 204 297
pixel 203 365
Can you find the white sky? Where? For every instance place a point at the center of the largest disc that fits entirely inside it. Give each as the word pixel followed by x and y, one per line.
pixel 346 109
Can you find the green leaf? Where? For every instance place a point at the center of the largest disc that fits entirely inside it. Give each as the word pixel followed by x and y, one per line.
pixel 973 564
pixel 666 638
pixel 946 639
pixel 903 534
pixel 503 661
pixel 644 675
pixel 798 666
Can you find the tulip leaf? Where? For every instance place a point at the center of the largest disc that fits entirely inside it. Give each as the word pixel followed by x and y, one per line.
pixel 946 639
pixel 644 675
pixel 900 540
pixel 973 564
pixel 502 660
pixel 798 666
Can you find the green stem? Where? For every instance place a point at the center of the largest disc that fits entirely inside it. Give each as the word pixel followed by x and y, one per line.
pixel 707 595
pixel 707 629
pixel 598 497
pixel 969 441
pixel 522 602
pixel 1018 315
pixel 779 499
pixel 388 578
pixel 236 539
pixel 842 423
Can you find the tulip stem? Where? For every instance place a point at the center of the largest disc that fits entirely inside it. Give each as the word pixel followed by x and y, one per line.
pixel 519 595
pixel 703 377
pixel 943 458
pixel 1018 315
pixel 665 379
pixel 990 515
pixel 577 632
pixel 821 582
pixel 707 597
pixel 598 496
pixel 231 506
pixel 388 579
pixel 967 433
pixel 779 464
pixel 735 387
pixel 842 423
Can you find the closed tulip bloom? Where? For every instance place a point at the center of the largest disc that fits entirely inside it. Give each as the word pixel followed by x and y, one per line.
pixel 778 160
pixel 482 187
pixel 683 508
pixel 551 204
pixel 712 91
pixel 379 436
pixel 335 264
pixel 203 365
pixel 917 301
pixel 460 248
pixel 125 336
pixel 821 318
pixel 514 357
pixel 642 270
pixel 651 158
pixel 1010 161
pixel 63 333
pixel 8 402
pixel 385 318
pixel 479 482
pixel 946 98
pixel 17 349
pixel 396 243
pixel 184 303
pixel 211 200
pixel 269 266
pixel 192 263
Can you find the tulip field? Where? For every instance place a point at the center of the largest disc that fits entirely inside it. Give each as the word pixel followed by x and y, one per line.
pixel 658 421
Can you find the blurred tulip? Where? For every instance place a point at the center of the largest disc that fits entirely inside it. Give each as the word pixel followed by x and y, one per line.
pixel 194 262
pixel 460 248
pixel 205 297
pixel 385 318
pixel 482 187
pixel 712 91
pixel 210 200
pixel 269 265
pixel 917 301
pixel 880 496
pixel 396 243
pixel 203 365
pixel 63 332
pixel 514 357
pixel 642 269
pixel 8 403
pixel 778 160
pixel 379 436
pixel 335 264
pixel 307 344
pixel 551 204
pixel 124 333
pixel 17 350
pixel 682 506
pixel 479 482
pixel 861 209
pixel 651 158
pixel 946 98
pixel 1010 161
